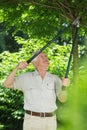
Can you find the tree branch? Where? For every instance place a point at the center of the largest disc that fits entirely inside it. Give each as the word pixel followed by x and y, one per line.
pixel 43 5
pixel 66 10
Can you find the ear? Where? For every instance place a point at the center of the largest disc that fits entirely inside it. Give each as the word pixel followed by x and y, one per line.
pixel 35 63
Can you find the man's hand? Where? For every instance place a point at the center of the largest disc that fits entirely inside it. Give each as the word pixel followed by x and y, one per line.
pixel 65 82
pixel 22 65
pixel 63 95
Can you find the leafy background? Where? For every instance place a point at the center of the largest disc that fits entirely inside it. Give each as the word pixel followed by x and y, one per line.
pixel 26 26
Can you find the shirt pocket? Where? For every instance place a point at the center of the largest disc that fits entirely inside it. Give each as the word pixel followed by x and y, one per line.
pixel 30 87
pixel 50 91
pixel 50 85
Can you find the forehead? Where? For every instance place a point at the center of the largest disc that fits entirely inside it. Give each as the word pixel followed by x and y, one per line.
pixel 42 54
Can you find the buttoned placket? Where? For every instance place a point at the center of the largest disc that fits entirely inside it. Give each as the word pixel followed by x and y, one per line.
pixel 42 81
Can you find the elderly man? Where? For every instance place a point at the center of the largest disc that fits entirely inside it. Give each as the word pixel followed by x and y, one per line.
pixel 40 90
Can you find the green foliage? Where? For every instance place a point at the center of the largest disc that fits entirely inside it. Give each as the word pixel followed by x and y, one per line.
pixel 11 109
pixel 40 20
pixel 72 115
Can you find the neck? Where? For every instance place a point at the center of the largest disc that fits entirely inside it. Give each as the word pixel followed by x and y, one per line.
pixel 42 72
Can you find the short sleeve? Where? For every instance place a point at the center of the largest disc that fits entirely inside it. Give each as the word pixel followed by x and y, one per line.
pixel 58 85
pixel 19 83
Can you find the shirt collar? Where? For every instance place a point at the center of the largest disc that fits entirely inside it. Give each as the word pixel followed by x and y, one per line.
pixel 37 73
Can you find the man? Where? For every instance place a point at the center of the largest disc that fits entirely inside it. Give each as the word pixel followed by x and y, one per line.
pixel 40 90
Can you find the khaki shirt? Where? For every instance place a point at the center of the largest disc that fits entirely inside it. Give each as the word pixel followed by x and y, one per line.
pixel 39 95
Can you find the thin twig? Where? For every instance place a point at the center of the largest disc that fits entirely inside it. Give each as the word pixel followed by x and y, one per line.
pixel 43 5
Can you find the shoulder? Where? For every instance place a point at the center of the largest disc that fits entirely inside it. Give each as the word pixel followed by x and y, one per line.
pixel 55 77
pixel 26 74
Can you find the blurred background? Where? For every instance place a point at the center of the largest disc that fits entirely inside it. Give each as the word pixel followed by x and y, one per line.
pixel 26 26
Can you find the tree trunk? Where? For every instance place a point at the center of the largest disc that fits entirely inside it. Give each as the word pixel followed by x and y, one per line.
pixel 75 57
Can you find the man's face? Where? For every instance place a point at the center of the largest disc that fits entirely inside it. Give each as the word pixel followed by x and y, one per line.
pixel 42 60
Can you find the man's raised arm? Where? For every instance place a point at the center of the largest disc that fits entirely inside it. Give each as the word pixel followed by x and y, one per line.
pixel 10 79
